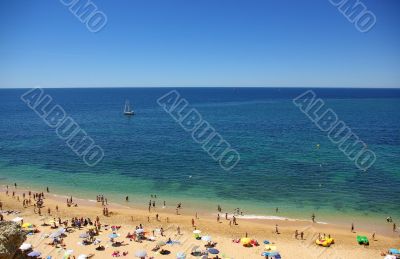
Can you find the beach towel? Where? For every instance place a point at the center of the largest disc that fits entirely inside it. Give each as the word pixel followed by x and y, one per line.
pixel 394 251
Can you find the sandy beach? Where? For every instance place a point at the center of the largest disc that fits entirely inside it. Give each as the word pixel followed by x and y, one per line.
pixel 222 232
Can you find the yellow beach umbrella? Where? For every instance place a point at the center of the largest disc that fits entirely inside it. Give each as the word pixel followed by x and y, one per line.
pixel 245 240
pixel 270 247
pixel 27 225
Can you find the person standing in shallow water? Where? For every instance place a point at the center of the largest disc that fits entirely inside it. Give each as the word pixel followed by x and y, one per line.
pixel 313 218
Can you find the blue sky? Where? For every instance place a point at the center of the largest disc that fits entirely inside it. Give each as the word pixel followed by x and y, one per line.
pixel 198 43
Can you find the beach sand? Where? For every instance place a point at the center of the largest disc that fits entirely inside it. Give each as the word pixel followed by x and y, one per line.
pixel 221 232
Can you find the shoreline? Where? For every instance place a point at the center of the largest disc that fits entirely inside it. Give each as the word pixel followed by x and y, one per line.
pixel 364 224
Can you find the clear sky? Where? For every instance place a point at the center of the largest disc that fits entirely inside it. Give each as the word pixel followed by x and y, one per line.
pixel 198 43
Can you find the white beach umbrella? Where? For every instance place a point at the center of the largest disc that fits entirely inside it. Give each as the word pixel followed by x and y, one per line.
pixel 196 231
pixel 17 219
pixel 57 233
pixel 206 238
pixel 25 246
pixel 139 230
pixel 141 254
pixel 82 256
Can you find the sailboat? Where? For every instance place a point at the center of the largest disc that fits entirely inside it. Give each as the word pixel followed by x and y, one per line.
pixel 127 109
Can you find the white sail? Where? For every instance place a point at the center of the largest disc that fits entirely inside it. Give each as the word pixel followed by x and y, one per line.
pixel 127 109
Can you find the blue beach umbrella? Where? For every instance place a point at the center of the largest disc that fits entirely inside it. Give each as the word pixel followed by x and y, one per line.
pixel 266 242
pixel 113 235
pixel 213 251
pixel 34 254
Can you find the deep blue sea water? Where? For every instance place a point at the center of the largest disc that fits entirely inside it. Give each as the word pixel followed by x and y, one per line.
pixel 149 153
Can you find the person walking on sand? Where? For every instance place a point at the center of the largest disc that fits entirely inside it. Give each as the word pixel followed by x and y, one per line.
pixel 296 234
pixel 276 229
pixel 302 235
pixel 394 227
pixel 192 222
pixel 352 227
pixel 218 218
pixel 178 230
pixel 226 215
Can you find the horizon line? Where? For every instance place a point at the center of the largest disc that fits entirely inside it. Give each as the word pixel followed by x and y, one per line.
pixel 205 86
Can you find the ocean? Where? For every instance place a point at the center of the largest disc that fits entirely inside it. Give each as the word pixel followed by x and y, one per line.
pixel 286 161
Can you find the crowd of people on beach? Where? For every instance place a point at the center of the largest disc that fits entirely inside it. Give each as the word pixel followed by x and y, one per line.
pixel 94 226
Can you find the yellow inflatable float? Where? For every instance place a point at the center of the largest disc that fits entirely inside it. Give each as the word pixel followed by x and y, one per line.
pixel 325 242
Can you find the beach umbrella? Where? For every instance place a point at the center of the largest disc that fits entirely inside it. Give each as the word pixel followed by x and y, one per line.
pixel 271 253
pixel 34 254
pixel 84 235
pixel 151 238
pixel 139 231
pixel 266 242
pixel 25 246
pixel 196 231
pixel 113 235
pixel 245 240
pixel 206 238
pixel 82 256
pixel 141 254
pixel 195 249
pixel 27 225
pixel 270 247
pixel 17 219
pixel 68 254
pixel 57 233
pixel 161 243
pixel 213 251
pixel 180 255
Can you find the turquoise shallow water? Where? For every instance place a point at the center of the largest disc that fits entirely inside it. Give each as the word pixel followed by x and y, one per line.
pixel 149 153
